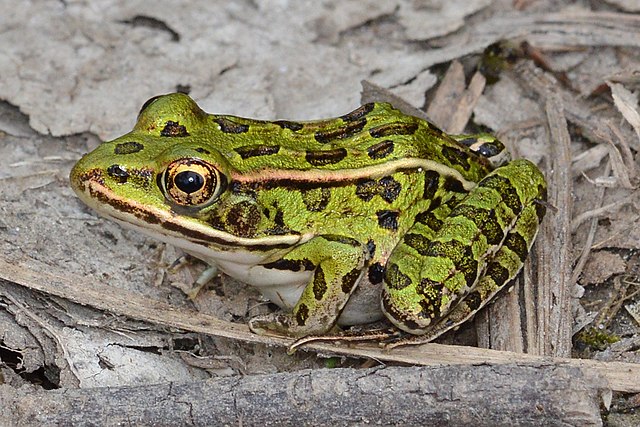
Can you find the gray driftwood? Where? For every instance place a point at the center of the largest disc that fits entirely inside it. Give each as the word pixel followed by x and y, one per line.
pixel 453 395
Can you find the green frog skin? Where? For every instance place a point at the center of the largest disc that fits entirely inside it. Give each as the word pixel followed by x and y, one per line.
pixel 339 222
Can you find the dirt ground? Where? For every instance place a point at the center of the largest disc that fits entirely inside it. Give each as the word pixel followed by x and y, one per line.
pixel 87 307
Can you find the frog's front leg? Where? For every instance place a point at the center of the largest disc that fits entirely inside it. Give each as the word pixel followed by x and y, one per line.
pixel 339 263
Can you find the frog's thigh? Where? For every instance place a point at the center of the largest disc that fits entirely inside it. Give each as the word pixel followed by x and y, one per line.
pixel 427 278
pixel 339 265
pixel 500 270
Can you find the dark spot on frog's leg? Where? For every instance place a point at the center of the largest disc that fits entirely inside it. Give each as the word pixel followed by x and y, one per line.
pixel 456 156
pixel 285 124
pixel 497 272
pixel 325 157
pixel 381 149
pixel 393 312
pixel 390 189
pixel 505 188
pixel 242 219
pixel 376 273
pixel 452 249
pixel 473 300
pixel 291 265
pixel 119 173
pixel 128 147
pixel 394 278
pixel 388 219
pixel 431 183
pixel 174 130
pixel 348 130
pixel 517 244
pixel 349 280
pixel 256 150
pixel 485 219
pixel 468 266
pixel 418 242
pixel 203 150
pixel 358 113
pixel 302 314
pixel 453 185
pixel 319 284
pixel 429 219
pixel 391 129
pixel 229 126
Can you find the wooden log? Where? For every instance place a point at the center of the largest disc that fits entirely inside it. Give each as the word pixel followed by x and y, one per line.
pixel 450 395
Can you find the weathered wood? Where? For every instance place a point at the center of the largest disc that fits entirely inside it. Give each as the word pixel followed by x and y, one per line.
pixel 617 376
pixel 462 395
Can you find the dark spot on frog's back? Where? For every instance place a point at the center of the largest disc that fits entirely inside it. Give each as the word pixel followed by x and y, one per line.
pixel 358 113
pixel 396 128
pixel 229 126
pixel 325 157
pixel 456 157
pixel 286 124
pixel 388 219
pixel 174 130
pixel 381 149
pixel 128 147
pixel 257 150
pixel 390 189
pixel 119 173
pixel 348 130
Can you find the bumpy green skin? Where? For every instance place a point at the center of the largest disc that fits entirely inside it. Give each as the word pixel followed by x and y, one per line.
pixel 322 215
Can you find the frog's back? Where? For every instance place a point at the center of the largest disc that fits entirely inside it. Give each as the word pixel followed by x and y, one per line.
pixel 373 134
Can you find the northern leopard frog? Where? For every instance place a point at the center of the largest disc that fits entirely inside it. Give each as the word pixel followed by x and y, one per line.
pixel 337 221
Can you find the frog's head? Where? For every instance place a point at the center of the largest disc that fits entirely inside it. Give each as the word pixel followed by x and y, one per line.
pixel 164 178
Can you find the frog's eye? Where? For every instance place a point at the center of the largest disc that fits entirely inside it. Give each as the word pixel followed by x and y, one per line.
pixel 192 182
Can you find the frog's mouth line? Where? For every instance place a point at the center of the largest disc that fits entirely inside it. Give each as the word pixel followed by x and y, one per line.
pixel 164 225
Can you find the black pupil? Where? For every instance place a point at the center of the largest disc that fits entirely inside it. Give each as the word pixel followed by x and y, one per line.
pixel 189 181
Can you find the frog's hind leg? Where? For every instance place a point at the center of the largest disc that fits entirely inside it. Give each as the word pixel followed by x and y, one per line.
pixel 338 264
pixel 435 285
pixel 499 274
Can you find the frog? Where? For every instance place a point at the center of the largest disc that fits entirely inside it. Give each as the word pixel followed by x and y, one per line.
pixel 340 222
